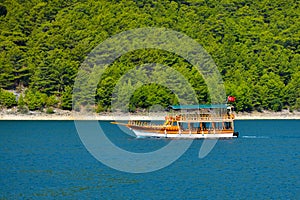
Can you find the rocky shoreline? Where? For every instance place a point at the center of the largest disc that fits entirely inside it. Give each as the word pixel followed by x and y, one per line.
pixel 68 115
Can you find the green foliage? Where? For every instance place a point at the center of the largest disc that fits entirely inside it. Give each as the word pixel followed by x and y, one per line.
pixel 52 101
pixel 276 105
pixel 255 44
pixel 7 99
pixel 3 11
pixel 297 104
pixel 21 101
pixel 100 108
pixel 35 100
pixel 66 99
pixel 50 110
pixel 22 108
pixel 149 95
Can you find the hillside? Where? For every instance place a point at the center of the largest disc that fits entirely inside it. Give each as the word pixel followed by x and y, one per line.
pixel 255 44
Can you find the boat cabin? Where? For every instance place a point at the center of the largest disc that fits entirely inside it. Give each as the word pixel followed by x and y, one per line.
pixel 201 118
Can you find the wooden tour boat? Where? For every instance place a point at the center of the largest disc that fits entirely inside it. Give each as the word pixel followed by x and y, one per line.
pixel 190 121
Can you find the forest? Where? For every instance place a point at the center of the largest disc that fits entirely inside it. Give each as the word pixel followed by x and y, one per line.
pixel 254 43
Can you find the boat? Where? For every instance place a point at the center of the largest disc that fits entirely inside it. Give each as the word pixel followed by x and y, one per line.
pixel 190 122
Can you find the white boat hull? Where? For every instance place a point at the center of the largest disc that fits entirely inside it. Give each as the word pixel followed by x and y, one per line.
pixel 141 134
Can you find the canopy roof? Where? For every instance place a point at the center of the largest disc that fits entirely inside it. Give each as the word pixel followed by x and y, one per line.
pixel 197 107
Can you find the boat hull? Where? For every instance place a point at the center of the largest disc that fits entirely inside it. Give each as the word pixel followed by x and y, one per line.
pixel 142 133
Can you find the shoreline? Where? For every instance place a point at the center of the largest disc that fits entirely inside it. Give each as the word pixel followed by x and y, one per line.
pixel 39 116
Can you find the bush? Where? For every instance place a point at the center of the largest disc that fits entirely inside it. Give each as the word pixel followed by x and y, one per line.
pixel 66 99
pixel 89 108
pixel 21 105
pixel 50 111
pixel 51 101
pixel 276 105
pixel 7 99
pixel 100 108
pixel 35 100
pixel 23 110
pixel 297 104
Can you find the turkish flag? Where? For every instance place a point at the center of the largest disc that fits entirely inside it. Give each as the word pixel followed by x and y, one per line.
pixel 231 99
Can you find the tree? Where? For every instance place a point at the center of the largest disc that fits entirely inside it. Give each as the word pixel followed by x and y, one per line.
pixel 271 88
pixel 22 105
pixel 52 101
pixel 7 99
pixel 66 98
pixel 255 45
pixel 35 100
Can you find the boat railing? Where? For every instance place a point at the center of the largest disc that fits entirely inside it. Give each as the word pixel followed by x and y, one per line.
pixel 143 123
pixel 188 117
pixel 185 118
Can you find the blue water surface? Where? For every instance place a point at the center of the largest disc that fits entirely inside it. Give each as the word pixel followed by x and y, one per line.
pixel 47 160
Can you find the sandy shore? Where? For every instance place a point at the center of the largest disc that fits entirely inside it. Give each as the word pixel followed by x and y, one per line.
pixel 78 117
pixel 110 117
pixel 268 115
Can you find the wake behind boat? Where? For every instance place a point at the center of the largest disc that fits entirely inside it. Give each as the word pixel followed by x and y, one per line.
pixel 190 121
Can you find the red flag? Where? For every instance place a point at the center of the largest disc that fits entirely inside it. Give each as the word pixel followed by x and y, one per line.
pixel 231 99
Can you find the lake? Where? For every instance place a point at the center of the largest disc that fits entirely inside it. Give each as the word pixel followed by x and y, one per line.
pixel 46 159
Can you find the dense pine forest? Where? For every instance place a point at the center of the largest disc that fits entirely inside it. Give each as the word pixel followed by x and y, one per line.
pixel 254 43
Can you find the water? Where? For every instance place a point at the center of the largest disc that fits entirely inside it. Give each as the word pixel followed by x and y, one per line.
pixel 46 159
